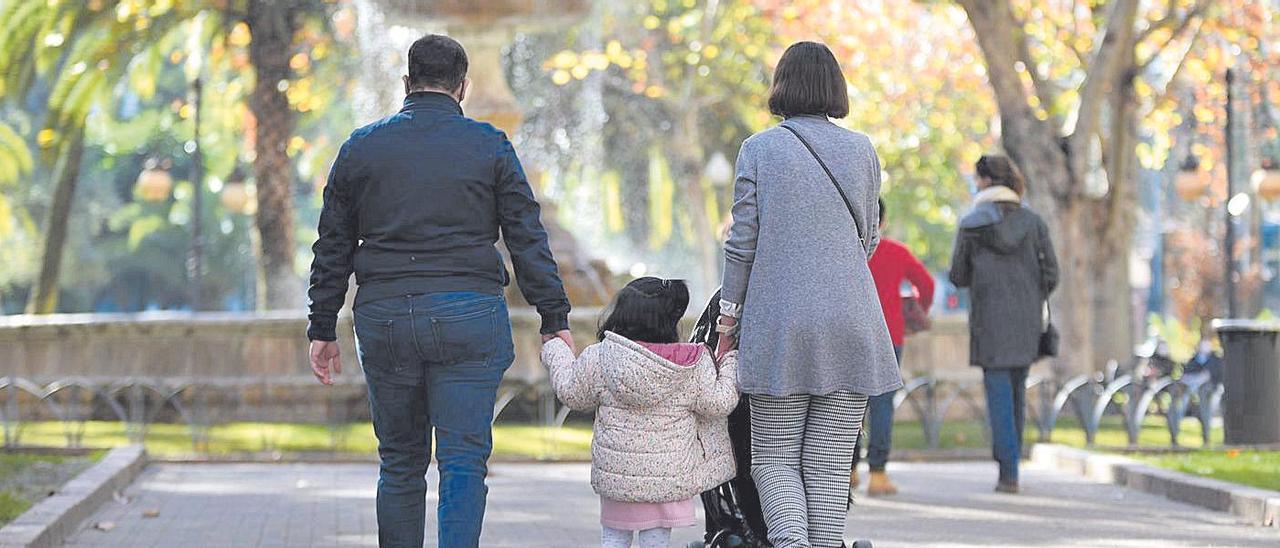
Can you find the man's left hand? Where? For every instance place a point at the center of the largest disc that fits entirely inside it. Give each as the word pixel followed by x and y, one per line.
pixel 563 335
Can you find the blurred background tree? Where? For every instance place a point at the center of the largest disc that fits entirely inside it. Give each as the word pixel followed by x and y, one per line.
pixel 632 121
pixel 1079 86
pixel 79 67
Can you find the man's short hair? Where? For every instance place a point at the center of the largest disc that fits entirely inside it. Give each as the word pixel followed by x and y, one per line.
pixel 808 80
pixel 437 61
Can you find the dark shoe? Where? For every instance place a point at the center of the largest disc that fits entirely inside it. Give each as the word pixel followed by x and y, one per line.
pixel 1007 487
pixel 864 543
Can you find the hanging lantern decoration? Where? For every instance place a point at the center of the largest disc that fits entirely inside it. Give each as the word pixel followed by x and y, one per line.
pixel 1191 181
pixel 1266 181
pixel 237 196
pixel 154 182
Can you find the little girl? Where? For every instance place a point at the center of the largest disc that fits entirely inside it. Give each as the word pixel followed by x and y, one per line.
pixel 661 436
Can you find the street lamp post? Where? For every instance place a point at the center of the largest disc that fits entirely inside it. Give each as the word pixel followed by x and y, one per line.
pixel 193 69
pixel 197 200
pixel 1229 240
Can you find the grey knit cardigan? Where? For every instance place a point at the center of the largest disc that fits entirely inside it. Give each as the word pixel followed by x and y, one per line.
pixel 811 319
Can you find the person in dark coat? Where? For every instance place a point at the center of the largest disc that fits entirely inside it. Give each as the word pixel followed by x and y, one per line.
pixel 1003 254
pixel 1205 365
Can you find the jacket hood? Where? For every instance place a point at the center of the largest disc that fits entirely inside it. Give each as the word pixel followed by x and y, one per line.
pixel 998 231
pixel 637 376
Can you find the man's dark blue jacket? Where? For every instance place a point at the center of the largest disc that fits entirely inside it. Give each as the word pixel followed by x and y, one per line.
pixel 415 204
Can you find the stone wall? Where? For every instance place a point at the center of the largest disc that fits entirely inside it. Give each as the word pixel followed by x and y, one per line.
pixel 258 362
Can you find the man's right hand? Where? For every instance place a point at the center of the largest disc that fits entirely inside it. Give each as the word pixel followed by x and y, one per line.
pixel 563 335
pixel 325 361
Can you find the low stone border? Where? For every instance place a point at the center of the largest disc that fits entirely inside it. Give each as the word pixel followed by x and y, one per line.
pixel 53 519
pixel 1255 506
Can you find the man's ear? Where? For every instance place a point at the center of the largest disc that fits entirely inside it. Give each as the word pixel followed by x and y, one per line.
pixel 462 89
pixel 406 83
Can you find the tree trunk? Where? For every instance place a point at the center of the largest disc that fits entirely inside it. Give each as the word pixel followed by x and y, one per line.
pixel 1114 325
pixel 66 175
pixel 272 24
pixel 1073 311
pixel 1092 236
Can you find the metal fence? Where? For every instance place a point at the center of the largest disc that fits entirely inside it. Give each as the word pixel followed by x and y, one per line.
pixel 934 403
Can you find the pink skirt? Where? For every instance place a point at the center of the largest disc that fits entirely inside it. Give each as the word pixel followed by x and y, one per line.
pixel 638 516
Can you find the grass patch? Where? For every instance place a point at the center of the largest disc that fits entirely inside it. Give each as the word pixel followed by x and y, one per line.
pixel 1247 467
pixel 26 478
pixel 174 440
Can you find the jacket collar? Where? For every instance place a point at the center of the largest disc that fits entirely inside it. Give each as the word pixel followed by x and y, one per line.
pixel 997 193
pixel 432 101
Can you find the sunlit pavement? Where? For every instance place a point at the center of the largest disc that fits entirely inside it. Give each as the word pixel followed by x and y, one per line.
pixel 546 505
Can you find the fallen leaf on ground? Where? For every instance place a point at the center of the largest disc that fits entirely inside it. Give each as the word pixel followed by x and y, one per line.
pixel 104 525
pixel 151 513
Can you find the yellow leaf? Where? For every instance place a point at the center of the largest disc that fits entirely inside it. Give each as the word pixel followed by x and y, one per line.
pixel 240 35
pixel 45 137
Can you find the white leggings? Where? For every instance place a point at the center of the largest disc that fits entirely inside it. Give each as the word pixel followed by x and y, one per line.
pixel 659 537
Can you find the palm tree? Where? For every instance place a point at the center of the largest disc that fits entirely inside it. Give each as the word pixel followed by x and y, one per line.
pixel 77 51
pixel 70 54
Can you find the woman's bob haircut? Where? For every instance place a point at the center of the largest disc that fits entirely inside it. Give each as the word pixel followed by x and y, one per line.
pixel 808 81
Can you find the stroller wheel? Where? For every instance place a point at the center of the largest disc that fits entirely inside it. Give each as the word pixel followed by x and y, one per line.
pixel 695 544
pixel 861 544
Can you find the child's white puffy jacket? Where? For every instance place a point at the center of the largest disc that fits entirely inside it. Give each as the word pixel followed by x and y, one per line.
pixel 661 433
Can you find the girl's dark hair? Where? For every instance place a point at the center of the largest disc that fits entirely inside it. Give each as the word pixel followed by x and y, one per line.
pixel 648 310
pixel 1001 171
pixel 808 81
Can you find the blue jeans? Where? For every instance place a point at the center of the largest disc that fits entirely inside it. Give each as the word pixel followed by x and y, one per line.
pixel 1006 411
pixel 433 363
pixel 880 424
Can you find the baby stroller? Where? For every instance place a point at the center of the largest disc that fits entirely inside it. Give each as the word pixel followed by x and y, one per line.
pixel 734 516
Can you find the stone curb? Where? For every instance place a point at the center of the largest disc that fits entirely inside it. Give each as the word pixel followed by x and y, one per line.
pixel 53 519
pixel 1255 506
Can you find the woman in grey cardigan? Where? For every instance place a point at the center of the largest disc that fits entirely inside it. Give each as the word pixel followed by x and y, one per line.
pixel 1004 256
pixel 813 343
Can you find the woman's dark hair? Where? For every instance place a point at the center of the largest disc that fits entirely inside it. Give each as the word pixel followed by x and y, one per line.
pixel 437 61
pixel 808 81
pixel 648 310
pixel 1001 171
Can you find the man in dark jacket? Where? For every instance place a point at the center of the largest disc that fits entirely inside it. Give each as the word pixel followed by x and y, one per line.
pixel 414 206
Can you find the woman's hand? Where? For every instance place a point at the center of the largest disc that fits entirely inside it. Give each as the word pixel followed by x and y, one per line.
pixel 728 341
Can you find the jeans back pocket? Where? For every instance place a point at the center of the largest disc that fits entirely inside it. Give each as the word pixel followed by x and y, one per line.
pixel 375 342
pixel 465 337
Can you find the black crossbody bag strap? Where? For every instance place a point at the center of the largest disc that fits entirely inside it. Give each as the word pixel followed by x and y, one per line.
pixel 847 204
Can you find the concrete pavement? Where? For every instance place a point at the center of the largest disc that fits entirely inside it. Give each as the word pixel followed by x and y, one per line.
pixel 551 505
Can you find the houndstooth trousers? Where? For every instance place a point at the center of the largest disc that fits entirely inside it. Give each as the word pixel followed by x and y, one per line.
pixel 801 450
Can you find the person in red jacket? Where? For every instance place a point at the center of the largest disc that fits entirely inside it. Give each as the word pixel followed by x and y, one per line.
pixel 891 264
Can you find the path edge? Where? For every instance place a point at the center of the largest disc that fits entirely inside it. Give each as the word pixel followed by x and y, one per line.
pixel 51 521
pixel 1255 506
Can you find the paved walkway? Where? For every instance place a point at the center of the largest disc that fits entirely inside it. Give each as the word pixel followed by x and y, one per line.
pixel 551 505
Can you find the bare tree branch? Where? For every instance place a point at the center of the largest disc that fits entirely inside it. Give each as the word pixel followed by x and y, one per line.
pixel 1046 91
pixel 1031 142
pixel 1172 19
pixel 1183 25
pixel 1166 91
pixel 1100 75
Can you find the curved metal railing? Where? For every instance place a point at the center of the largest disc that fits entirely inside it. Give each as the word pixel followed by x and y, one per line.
pixel 934 403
